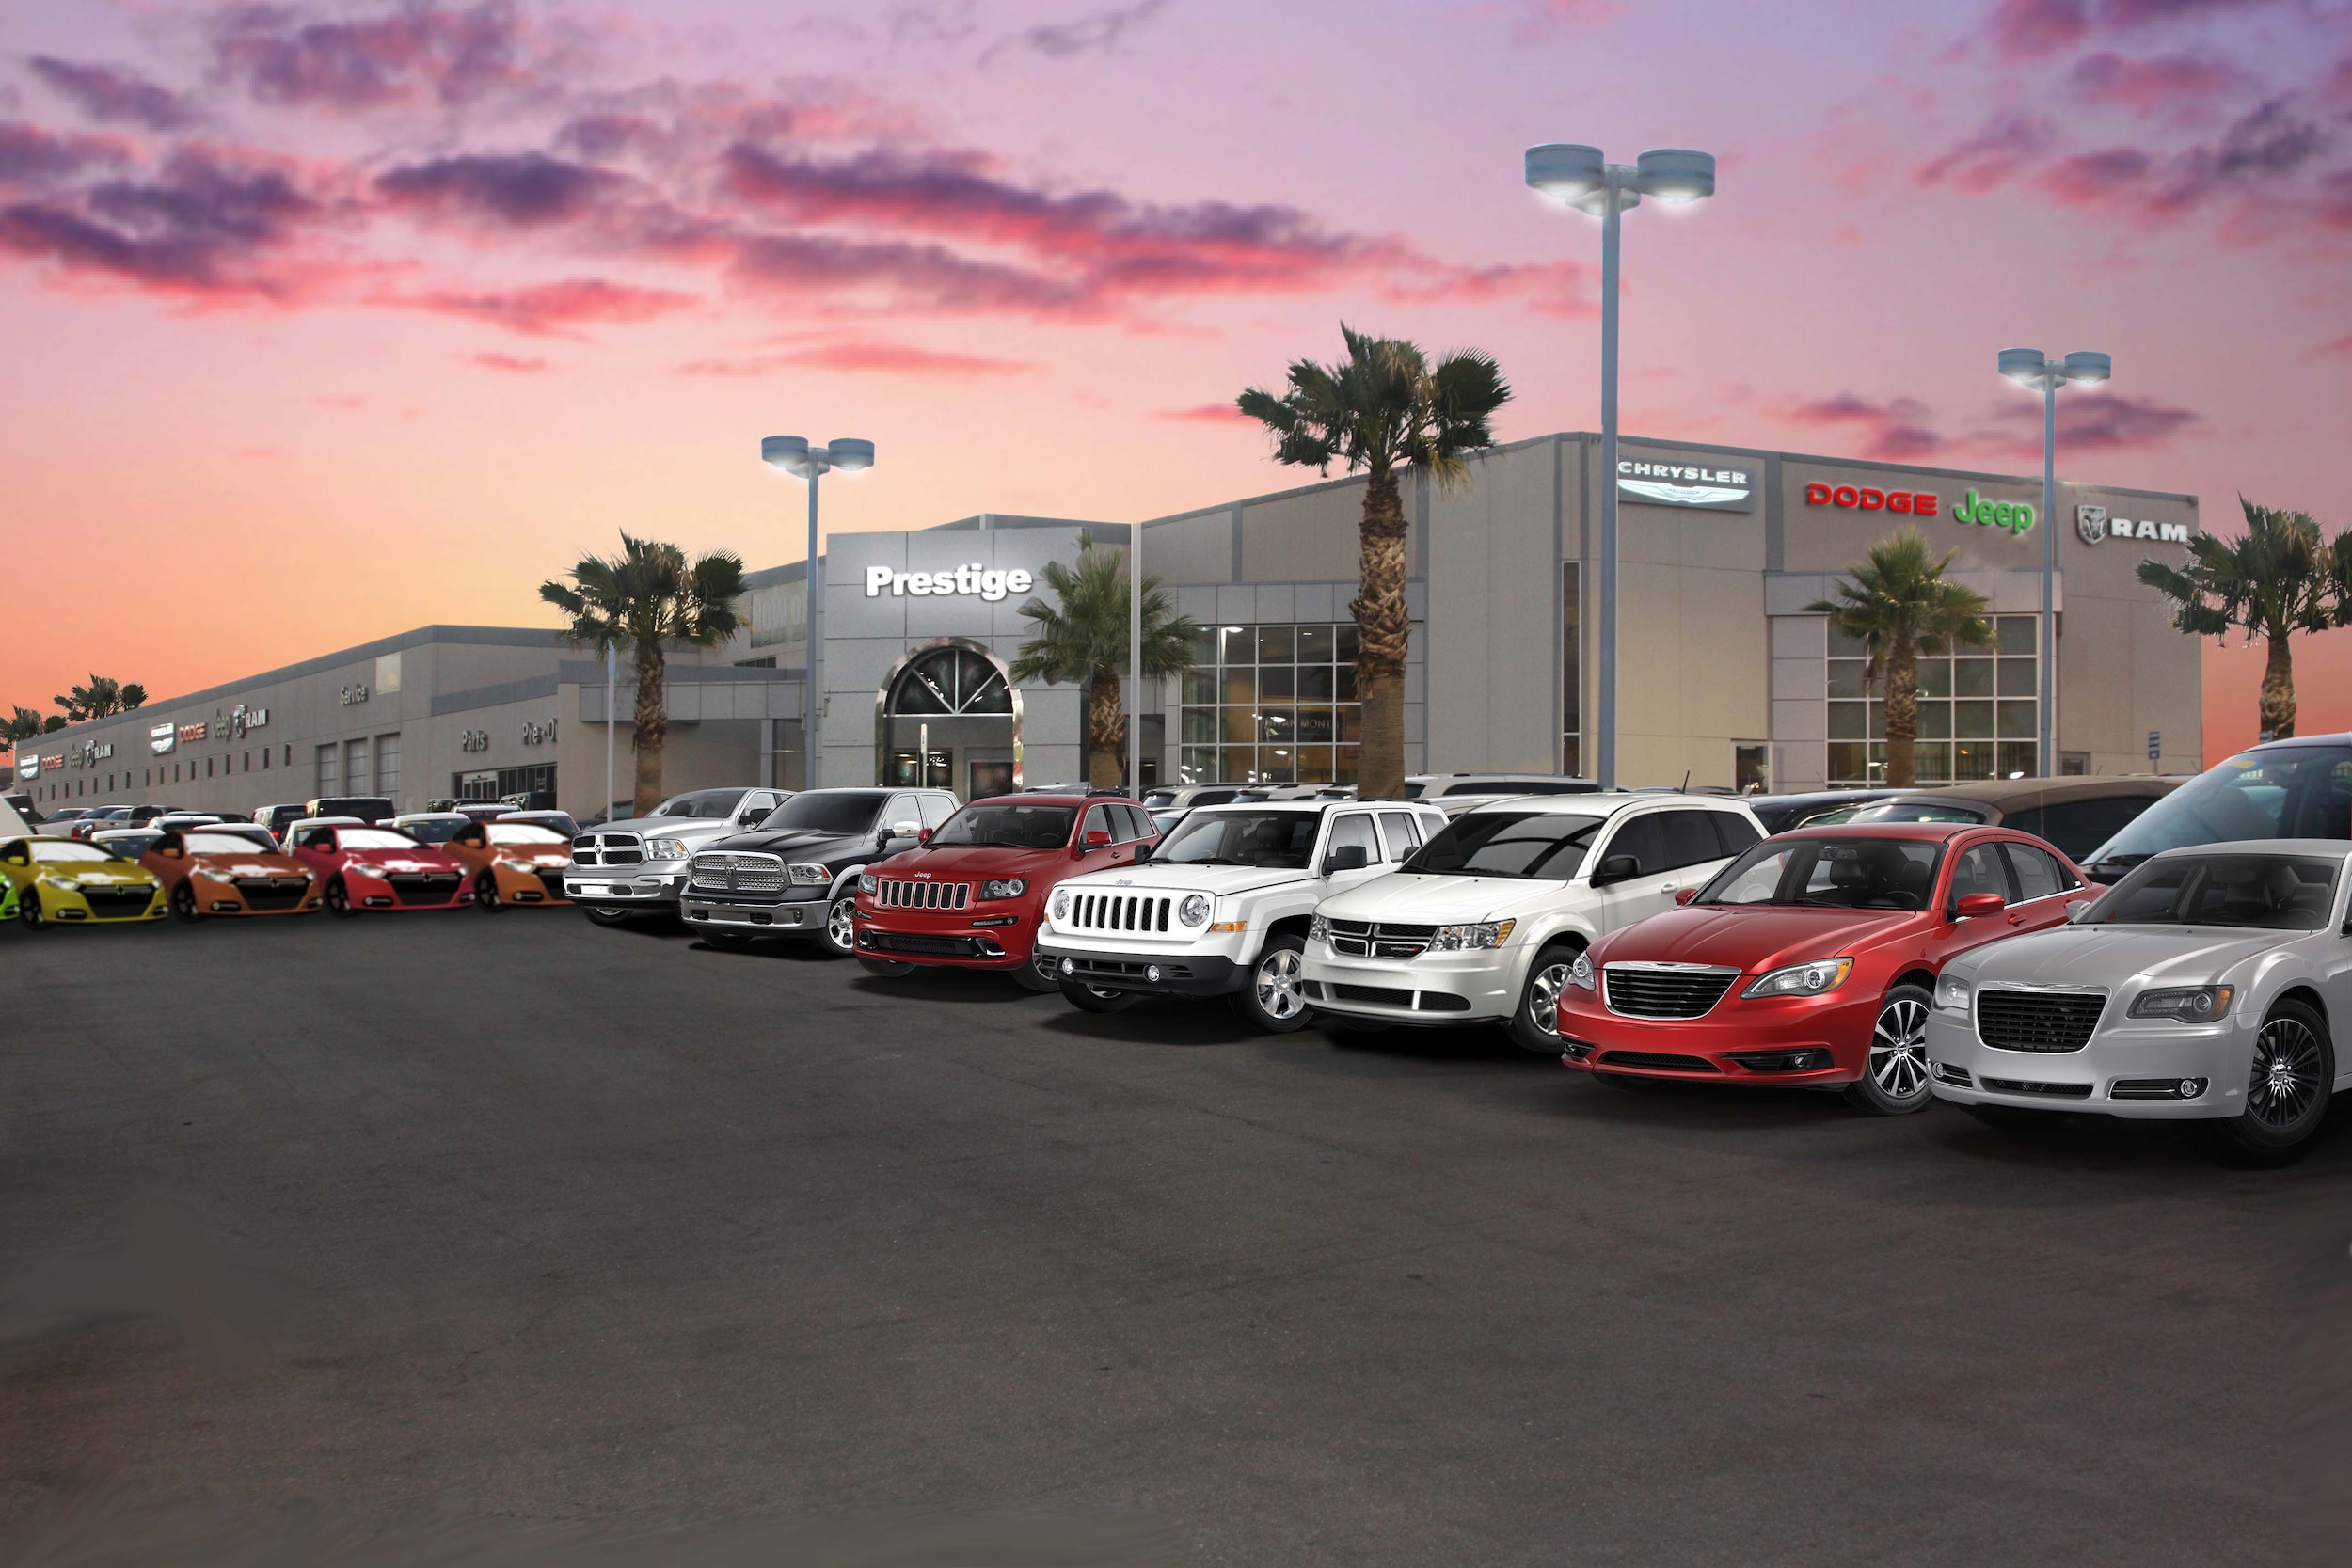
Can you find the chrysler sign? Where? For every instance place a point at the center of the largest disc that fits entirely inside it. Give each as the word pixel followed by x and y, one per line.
pixel 1685 484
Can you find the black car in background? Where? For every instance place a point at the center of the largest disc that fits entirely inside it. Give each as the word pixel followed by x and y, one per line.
pixel 796 873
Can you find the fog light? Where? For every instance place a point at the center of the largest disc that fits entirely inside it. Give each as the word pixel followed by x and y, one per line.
pixel 1151 972
pixel 1068 966
pixel 2192 1088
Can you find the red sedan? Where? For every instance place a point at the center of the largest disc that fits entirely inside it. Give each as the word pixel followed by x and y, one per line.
pixel 1810 960
pixel 359 867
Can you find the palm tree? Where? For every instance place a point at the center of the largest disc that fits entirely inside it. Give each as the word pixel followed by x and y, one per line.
pixel 1085 639
pixel 648 598
pixel 1382 406
pixel 1899 605
pixel 23 724
pixel 103 698
pixel 2281 577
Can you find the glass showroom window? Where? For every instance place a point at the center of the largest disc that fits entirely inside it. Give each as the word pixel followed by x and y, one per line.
pixel 1270 704
pixel 1977 718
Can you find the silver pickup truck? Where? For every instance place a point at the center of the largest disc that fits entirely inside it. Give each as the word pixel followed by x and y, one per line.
pixel 636 866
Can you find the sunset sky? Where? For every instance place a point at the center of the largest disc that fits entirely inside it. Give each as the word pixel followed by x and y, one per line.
pixel 327 319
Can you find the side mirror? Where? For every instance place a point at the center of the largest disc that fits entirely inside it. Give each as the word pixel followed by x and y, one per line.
pixel 1143 851
pixel 2075 910
pixel 1975 906
pixel 924 836
pixel 1686 896
pixel 1347 857
pixel 1097 838
pixel 1616 869
pixel 908 830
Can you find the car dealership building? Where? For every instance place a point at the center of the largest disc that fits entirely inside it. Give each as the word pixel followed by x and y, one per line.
pixel 1725 676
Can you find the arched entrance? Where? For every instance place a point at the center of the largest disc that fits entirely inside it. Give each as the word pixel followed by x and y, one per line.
pixel 948 716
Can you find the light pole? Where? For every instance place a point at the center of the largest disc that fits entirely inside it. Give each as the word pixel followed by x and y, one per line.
pixel 2030 367
pixel 794 456
pixel 1586 180
pixel 1135 660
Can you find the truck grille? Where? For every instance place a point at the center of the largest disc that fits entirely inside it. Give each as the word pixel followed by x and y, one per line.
pixel 729 871
pixel 895 892
pixel 608 849
pixel 2047 1023
pixel 1665 991
pixel 1363 938
pixel 1119 911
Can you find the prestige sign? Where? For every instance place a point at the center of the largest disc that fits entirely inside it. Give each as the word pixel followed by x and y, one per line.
pixel 1687 485
pixel 964 582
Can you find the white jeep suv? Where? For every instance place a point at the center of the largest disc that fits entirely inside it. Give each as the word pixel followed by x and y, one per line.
pixel 1220 907
pixel 1498 907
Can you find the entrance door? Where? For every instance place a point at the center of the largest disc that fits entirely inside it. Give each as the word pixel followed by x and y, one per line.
pixel 922 770
pixel 990 778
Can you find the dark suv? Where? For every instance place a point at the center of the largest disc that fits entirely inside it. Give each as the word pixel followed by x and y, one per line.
pixel 796 873
pixel 973 894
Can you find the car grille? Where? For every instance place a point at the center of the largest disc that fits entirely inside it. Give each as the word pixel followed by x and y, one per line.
pixel 273 894
pixel 728 871
pixel 1363 938
pixel 1389 996
pixel 114 903
pixel 608 849
pixel 2045 1092
pixel 424 887
pixel 2047 1022
pixel 1118 911
pixel 893 893
pixel 553 881
pixel 927 944
pixel 1645 991
pixel 1657 1061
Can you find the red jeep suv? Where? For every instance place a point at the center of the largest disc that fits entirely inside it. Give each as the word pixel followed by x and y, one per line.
pixel 971 893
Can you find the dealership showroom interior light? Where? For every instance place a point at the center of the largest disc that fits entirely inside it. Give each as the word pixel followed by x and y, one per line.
pixel 795 456
pixel 2030 367
pixel 1581 177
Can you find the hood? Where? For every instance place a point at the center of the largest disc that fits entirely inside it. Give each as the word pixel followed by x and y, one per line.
pixel 1154 876
pixel 98 871
pixel 668 826
pixel 403 860
pixel 1420 898
pixel 1755 937
pixel 2110 955
pixel 975 862
pixel 255 864
pixel 796 844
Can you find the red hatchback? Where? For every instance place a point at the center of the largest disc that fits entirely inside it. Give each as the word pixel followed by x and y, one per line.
pixel 972 894
pixel 361 867
pixel 1810 960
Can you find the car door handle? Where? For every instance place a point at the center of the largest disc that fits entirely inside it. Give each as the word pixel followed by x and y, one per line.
pixel 2017 919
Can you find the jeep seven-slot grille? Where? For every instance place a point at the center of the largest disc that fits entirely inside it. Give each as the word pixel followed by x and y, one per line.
pixel 1641 991
pixel 608 849
pixel 2047 1023
pixel 731 871
pixel 1118 911
pixel 1363 938
pixel 898 893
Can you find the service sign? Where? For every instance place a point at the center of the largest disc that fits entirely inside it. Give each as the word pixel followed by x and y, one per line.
pixel 1692 485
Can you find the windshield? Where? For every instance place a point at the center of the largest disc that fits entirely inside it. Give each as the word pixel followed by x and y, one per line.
pixel 1920 810
pixel 523 833
pixel 131 845
pixel 1830 873
pixel 1268 840
pixel 1543 846
pixel 58 854
pixel 1013 827
pixel 228 843
pixel 372 838
pixel 437 829
pixel 716 805
pixel 2297 792
pixel 849 811
pixel 2269 892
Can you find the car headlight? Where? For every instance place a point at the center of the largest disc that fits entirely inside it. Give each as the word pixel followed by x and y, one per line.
pixel 665 848
pixel 1193 910
pixel 63 884
pixel 509 864
pixel 1951 993
pixel 1062 905
pixel 1822 975
pixel 1009 887
pixel 1319 929
pixel 1581 973
pixel 1484 933
pixel 2193 1004
pixel 809 874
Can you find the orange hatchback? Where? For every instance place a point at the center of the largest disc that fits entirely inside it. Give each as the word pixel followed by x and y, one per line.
pixel 511 862
pixel 230 870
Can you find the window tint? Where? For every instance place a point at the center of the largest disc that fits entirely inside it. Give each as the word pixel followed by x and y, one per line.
pixel 2263 891
pixel 439 830
pixel 1645 839
pixel 1689 838
pixel 1839 873
pixel 848 811
pixel 1539 845
pixel 1099 821
pixel 2078 827
pixel 1272 840
pixel 2038 872
pixel 1980 871
pixel 1921 811
pixel 1402 832
pixel 713 805
pixel 936 808
pixel 1354 830
pixel 1014 827
pixel 2296 791
pixel 1737 832
pixel 902 808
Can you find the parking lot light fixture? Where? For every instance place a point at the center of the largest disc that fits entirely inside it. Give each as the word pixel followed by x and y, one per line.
pixel 1585 178
pixel 2031 367
pixel 795 456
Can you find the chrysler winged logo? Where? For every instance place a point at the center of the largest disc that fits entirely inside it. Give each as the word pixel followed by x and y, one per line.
pixel 2090 523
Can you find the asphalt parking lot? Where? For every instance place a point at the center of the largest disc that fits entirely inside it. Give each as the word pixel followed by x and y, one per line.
pixel 428 1235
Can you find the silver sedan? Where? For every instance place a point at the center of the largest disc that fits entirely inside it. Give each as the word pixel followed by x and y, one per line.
pixel 2211 983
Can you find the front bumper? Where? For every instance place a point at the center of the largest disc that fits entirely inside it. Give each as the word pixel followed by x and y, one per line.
pixel 652 885
pixel 1480 986
pixel 99 906
pixel 2130 1070
pixel 986 936
pixel 215 897
pixel 1763 1041
pixel 798 912
pixel 1127 969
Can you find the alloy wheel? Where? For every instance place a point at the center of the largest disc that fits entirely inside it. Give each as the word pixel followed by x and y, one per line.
pixel 841 926
pixel 1277 983
pixel 2285 1078
pixel 1543 995
pixel 1899 1049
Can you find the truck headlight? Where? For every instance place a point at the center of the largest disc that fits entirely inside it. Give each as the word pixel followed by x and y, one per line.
pixel 1319 929
pixel 1580 974
pixel 1822 975
pixel 1193 910
pixel 1062 905
pixel 665 848
pixel 809 874
pixel 1484 933
pixel 1009 887
pixel 1951 993
pixel 2194 1004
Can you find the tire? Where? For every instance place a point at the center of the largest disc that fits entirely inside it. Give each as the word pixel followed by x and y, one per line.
pixel 1089 1000
pixel 599 915
pixel 1032 977
pixel 1271 998
pixel 1536 1023
pixel 183 902
pixel 2286 1091
pixel 839 937
pixel 28 910
pixel 1894 1080
pixel 485 894
pixel 339 900
pixel 2017 1119
pixel 889 969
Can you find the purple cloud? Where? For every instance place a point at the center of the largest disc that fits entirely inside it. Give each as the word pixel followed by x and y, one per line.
pixel 524 190
pixel 206 224
pixel 2169 81
pixel 1895 429
pixel 1095 33
pixel 307 57
pixel 2009 143
pixel 115 96
pixel 30 156
pixel 2030 29
pixel 546 310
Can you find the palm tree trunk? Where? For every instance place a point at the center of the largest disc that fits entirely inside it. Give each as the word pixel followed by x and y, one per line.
pixel 1106 731
pixel 1382 635
pixel 1902 713
pixel 652 727
pixel 2277 713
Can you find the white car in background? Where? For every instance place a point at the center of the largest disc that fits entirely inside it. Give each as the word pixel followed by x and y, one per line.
pixel 2211 983
pixel 1222 905
pixel 1484 923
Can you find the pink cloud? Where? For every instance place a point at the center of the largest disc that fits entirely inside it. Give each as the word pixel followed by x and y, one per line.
pixel 2088 423
pixel 861 355
pixel 541 309
pixel 114 95
pixel 1895 429
pixel 523 191
pixel 512 364
pixel 309 56
pixel 2007 146
pixel 2167 80
pixel 2032 29
pixel 1205 413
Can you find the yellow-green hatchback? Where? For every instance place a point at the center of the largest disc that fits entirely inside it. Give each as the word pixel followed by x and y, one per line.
pixel 64 882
